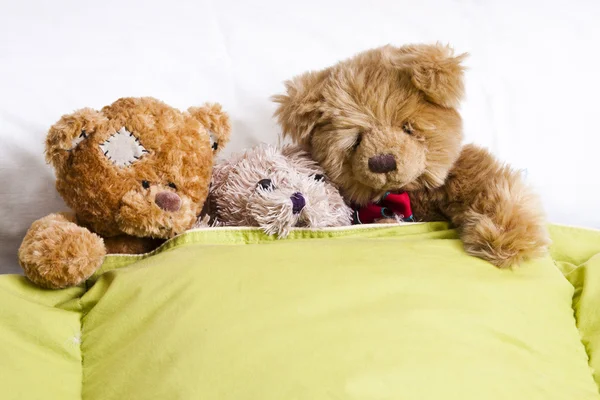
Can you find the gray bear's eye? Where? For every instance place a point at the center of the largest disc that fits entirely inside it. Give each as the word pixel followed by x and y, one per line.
pixel 266 184
pixel 319 177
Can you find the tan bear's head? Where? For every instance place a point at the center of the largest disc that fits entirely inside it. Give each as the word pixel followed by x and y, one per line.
pixel 138 166
pixel 383 120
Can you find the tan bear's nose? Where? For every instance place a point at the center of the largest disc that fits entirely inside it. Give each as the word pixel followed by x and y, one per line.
pixel 382 163
pixel 168 201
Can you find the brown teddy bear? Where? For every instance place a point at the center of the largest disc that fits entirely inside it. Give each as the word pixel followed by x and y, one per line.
pixel 387 120
pixel 135 173
pixel 274 189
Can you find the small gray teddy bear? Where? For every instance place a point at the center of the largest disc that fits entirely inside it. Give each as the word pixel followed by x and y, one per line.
pixel 274 189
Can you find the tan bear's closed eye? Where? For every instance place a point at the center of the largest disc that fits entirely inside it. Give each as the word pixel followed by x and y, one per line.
pixel 135 173
pixel 387 120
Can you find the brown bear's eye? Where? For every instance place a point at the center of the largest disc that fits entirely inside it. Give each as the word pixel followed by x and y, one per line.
pixel 172 185
pixel 145 184
pixel 83 134
pixel 407 128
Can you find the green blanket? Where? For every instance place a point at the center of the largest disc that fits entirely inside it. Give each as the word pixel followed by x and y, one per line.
pixel 368 312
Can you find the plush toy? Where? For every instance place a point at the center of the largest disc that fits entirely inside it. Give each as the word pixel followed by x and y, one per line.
pixel 387 120
pixel 274 190
pixel 135 173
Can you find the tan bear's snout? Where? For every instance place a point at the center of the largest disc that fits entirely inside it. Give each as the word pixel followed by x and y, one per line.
pixel 382 163
pixel 168 201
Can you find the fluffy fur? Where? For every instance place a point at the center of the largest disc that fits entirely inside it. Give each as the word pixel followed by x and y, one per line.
pixel 57 250
pixel 402 101
pixel 237 197
pixel 169 156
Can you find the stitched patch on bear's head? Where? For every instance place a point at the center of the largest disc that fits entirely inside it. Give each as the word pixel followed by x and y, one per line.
pixel 123 148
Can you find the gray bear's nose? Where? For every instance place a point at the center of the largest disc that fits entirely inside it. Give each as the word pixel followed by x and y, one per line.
pixel 382 163
pixel 298 202
pixel 168 201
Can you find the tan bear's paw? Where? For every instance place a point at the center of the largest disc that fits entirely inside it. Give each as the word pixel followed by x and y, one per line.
pixel 505 243
pixel 57 253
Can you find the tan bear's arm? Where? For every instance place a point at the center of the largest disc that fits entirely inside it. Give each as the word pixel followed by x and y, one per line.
pixel 57 253
pixel 499 218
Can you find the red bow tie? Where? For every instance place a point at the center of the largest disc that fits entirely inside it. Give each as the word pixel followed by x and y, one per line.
pixel 390 206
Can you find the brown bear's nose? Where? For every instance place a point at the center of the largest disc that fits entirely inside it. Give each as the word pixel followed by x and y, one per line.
pixel 382 163
pixel 168 201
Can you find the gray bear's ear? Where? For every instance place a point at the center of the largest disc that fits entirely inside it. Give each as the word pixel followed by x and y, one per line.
pixel 301 159
pixel 299 108
pixel 71 130
pixel 433 69
pixel 216 121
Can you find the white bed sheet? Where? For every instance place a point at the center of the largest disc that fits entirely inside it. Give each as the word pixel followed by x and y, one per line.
pixel 532 84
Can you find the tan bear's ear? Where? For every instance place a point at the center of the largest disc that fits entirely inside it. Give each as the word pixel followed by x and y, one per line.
pixel 299 109
pixel 65 135
pixel 434 70
pixel 216 121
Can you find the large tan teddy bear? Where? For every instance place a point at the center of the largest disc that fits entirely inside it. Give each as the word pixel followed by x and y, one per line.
pixel 387 120
pixel 135 173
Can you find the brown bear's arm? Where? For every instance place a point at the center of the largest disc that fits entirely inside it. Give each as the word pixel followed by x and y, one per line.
pixel 499 218
pixel 56 252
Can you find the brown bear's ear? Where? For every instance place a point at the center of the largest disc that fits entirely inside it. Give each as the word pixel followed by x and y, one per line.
pixel 298 110
pixel 434 70
pixel 65 135
pixel 216 122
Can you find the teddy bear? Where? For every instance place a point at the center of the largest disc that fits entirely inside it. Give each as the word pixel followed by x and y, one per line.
pixel 274 189
pixel 135 173
pixel 387 121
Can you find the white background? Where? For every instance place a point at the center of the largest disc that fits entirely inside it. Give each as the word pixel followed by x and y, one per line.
pixel 533 84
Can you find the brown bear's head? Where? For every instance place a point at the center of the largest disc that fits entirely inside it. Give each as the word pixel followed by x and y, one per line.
pixel 137 166
pixel 383 120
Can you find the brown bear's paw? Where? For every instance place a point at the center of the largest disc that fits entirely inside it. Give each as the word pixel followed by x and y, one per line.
pixel 505 240
pixel 57 253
